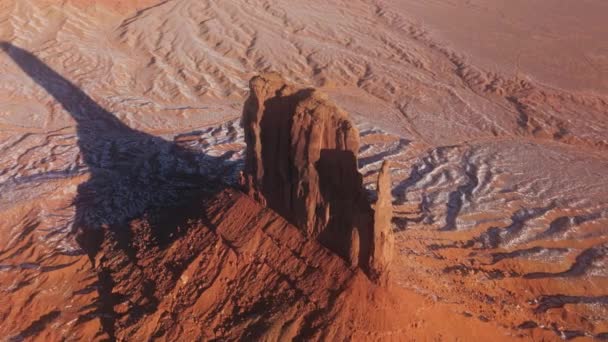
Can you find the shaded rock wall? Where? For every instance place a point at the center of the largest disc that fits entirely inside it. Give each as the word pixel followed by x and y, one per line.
pixel 301 161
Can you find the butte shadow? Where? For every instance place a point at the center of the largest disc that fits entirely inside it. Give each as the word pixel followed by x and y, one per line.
pixel 130 171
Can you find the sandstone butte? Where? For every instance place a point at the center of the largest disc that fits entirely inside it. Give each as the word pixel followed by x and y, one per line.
pixel 301 161
pixel 303 256
pixel 300 255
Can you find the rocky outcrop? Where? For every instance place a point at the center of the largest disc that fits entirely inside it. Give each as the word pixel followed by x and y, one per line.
pixel 301 161
pixel 384 240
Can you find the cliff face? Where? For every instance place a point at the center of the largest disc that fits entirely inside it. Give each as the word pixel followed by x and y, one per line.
pixel 301 161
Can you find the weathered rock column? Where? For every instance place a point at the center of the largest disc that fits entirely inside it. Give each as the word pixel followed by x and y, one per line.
pixel 384 239
pixel 301 161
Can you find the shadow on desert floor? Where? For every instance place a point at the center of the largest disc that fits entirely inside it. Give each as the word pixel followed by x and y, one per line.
pixel 130 171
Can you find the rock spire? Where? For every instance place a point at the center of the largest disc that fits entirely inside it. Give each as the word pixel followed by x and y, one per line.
pixel 301 161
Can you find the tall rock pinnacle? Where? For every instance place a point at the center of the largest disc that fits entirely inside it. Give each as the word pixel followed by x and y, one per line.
pixel 301 161
pixel 384 240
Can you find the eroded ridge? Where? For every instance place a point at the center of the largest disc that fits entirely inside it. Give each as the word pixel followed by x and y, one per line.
pixel 226 268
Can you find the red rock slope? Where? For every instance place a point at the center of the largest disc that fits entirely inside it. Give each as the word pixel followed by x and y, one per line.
pixel 227 268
